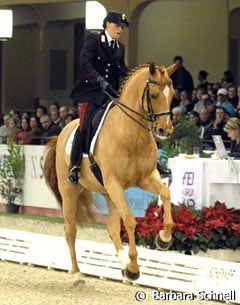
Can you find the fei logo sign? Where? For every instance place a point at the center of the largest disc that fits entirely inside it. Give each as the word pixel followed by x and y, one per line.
pixel 186 187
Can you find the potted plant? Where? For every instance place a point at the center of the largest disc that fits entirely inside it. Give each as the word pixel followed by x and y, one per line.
pixel 12 167
pixel 184 138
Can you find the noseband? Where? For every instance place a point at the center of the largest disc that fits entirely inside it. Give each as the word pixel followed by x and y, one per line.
pixel 151 116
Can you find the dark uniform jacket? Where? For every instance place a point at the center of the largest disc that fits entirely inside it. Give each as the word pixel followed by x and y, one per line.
pixel 182 80
pixel 98 59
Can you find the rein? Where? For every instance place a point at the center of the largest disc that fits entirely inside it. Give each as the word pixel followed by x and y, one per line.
pixel 151 116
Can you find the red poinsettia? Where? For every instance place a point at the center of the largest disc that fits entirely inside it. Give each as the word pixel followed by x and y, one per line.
pixel 212 227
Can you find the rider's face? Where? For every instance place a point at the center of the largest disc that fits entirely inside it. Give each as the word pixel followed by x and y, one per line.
pixel 114 29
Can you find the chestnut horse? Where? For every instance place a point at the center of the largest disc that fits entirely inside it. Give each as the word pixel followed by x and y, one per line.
pixel 126 153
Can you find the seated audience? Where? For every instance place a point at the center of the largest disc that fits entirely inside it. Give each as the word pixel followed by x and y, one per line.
pixel 69 118
pixel 185 102
pixel 232 128
pixel 23 136
pixel 200 102
pixel 56 119
pixel 194 118
pixel 54 107
pixel 40 111
pixel 36 133
pixel 12 129
pixel 4 129
pixel 48 128
pixel 177 115
pixel 222 100
pixel 232 96
pixel 63 112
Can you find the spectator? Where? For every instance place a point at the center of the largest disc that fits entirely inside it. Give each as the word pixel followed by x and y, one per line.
pixel 23 136
pixel 48 128
pixel 202 78
pixel 194 118
pixel 36 134
pixel 55 117
pixel 233 97
pixel 206 121
pixel 4 129
pixel 200 102
pixel 69 118
pixel 40 111
pixel 63 111
pixel 25 115
pixel 221 118
pixel 227 80
pixel 16 115
pixel 74 112
pixel 182 79
pixel 185 102
pixel 177 115
pixel 54 107
pixel 12 129
pixel 209 104
pixel 222 100
pixel 232 128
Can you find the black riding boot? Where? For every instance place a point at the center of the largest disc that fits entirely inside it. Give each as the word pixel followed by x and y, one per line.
pixel 75 157
pixel 163 170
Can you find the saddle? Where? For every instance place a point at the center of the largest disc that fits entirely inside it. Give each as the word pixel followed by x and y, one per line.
pixel 94 127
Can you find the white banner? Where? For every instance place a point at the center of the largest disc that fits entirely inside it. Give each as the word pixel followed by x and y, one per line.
pixel 186 187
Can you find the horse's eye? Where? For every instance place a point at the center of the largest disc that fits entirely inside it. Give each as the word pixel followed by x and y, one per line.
pixel 153 96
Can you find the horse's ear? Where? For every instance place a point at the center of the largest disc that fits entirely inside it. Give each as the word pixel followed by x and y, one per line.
pixel 171 69
pixel 152 68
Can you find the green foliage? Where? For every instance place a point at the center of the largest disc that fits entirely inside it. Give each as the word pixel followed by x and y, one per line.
pixel 185 136
pixel 12 167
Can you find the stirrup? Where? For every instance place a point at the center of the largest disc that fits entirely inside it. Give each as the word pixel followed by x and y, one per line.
pixel 73 174
pixel 75 167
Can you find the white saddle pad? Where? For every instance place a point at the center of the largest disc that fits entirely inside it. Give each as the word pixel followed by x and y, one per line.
pixel 68 146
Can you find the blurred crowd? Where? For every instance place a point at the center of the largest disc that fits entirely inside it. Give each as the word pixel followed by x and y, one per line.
pixel 207 105
pixel 37 126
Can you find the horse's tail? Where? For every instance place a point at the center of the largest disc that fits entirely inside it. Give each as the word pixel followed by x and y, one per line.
pixel 50 173
pixel 85 208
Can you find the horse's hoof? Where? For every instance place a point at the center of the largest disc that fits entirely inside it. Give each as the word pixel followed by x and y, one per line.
pixel 162 245
pixel 133 276
pixel 78 280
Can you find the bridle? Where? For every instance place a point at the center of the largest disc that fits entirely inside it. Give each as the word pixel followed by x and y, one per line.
pixel 151 116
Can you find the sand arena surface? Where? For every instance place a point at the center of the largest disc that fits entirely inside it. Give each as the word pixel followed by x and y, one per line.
pixel 29 285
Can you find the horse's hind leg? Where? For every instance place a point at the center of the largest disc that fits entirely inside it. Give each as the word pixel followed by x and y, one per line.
pixel 154 184
pixel 70 198
pixel 116 193
pixel 114 231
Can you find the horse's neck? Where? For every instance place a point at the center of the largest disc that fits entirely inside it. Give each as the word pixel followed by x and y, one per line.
pixel 132 92
pixel 131 96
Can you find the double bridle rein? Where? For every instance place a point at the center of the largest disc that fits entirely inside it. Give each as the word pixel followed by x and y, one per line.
pixel 151 116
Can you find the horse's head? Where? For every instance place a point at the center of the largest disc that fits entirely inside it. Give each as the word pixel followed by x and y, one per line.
pixel 158 94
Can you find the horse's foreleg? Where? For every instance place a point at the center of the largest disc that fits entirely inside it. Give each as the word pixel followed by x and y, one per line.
pixel 114 232
pixel 116 193
pixel 154 184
